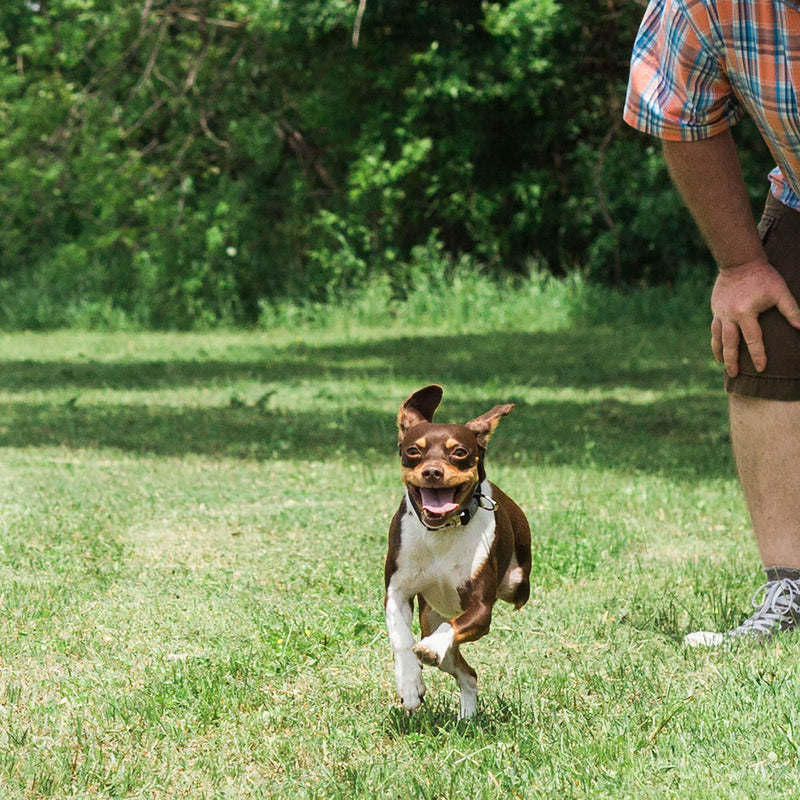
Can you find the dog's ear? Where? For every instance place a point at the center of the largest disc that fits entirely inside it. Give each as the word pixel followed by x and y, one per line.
pixel 419 408
pixel 484 425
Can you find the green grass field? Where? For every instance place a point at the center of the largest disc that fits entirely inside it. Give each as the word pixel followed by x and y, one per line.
pixel 192 533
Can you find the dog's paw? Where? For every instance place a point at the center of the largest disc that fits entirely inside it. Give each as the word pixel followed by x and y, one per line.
pixel 427 655
pixel 433 649
pixel 412 693
pixel 408 679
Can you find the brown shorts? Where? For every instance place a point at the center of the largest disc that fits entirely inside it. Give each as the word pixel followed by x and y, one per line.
pixel 780 233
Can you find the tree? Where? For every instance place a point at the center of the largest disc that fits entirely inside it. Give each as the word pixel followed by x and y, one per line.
pixel 179 161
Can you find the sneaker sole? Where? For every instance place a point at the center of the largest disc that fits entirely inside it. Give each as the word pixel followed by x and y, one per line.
pixel 705 639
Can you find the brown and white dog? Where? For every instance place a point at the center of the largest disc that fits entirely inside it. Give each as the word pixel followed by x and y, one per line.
pixel 457 543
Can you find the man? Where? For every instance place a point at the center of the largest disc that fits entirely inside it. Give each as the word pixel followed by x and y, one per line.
pixel 697 67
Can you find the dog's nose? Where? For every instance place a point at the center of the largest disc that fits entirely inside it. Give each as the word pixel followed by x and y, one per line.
pixel 432 472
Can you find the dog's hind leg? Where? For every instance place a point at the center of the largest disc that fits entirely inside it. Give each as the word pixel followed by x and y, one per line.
pixel 453 662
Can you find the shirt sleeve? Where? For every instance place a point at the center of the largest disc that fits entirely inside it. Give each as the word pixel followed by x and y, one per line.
pixel 678 89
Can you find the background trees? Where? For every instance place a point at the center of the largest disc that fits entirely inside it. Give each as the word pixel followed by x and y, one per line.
pixel 180 161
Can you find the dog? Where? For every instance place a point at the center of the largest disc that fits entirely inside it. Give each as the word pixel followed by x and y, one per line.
pixel 457 543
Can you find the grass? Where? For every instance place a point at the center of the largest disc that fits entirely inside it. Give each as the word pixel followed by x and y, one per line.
pixel 192 532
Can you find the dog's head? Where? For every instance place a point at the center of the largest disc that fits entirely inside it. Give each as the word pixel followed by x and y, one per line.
pixel 441 465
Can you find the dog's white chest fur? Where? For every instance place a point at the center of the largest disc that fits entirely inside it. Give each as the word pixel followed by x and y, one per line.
pixel 436 564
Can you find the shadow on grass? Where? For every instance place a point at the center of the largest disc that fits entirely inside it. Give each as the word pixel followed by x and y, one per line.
pixel 580 359
pixel 681 433
pixel 438 717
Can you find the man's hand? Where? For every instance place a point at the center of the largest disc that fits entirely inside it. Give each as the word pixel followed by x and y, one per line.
pixel 709 178
pixel 740 294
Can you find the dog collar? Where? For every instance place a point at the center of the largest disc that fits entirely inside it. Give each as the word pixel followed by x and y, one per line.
pixel 478 500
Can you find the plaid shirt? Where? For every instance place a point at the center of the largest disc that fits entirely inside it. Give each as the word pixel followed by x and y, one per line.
pixel 698 65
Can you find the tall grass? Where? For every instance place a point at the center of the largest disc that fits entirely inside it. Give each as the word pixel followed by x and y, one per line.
pixel 466 298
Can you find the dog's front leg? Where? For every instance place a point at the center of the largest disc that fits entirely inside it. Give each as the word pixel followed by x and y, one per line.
pixel 441 649
pixel 407 670
pixel 468 626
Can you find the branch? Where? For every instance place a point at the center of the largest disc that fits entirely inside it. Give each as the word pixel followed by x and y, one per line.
pixel 216 23
pixel 362 7
pixel 307 154
pixel 601 195
pixel 211 135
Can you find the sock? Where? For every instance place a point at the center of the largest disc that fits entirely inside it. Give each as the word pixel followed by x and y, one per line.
pixel 778 573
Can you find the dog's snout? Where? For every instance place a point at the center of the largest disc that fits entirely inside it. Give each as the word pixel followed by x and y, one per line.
pixel 433 472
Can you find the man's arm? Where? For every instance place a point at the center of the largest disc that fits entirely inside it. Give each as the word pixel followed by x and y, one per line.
pixel 709 178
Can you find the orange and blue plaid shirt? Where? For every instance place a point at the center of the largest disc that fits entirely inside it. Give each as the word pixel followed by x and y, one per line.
pixel 699 65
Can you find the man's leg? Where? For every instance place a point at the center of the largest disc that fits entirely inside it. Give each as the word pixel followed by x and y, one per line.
pixel 766 444
pixel 765 430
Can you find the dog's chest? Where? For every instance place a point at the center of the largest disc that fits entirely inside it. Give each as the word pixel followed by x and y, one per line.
pixel 437 564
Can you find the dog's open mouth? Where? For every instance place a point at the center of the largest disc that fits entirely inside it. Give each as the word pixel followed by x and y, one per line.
pixel 438 501
pixel 438 505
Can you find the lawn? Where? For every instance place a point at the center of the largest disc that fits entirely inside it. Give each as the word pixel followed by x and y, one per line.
pixel 192 533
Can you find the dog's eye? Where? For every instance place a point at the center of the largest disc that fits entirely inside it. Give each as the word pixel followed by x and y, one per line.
pixel 460 452
pixel 413 451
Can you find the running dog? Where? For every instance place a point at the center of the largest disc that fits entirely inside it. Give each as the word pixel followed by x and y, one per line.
pixel 457 543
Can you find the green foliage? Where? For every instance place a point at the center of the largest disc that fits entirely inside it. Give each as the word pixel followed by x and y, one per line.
pixel 183 164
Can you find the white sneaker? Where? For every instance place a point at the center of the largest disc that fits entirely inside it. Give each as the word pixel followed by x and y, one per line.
pixel 778 611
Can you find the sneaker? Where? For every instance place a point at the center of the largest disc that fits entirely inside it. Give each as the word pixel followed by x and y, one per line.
pixel 778 611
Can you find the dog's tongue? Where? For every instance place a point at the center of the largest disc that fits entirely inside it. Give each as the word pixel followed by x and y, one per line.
pixel 438 501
